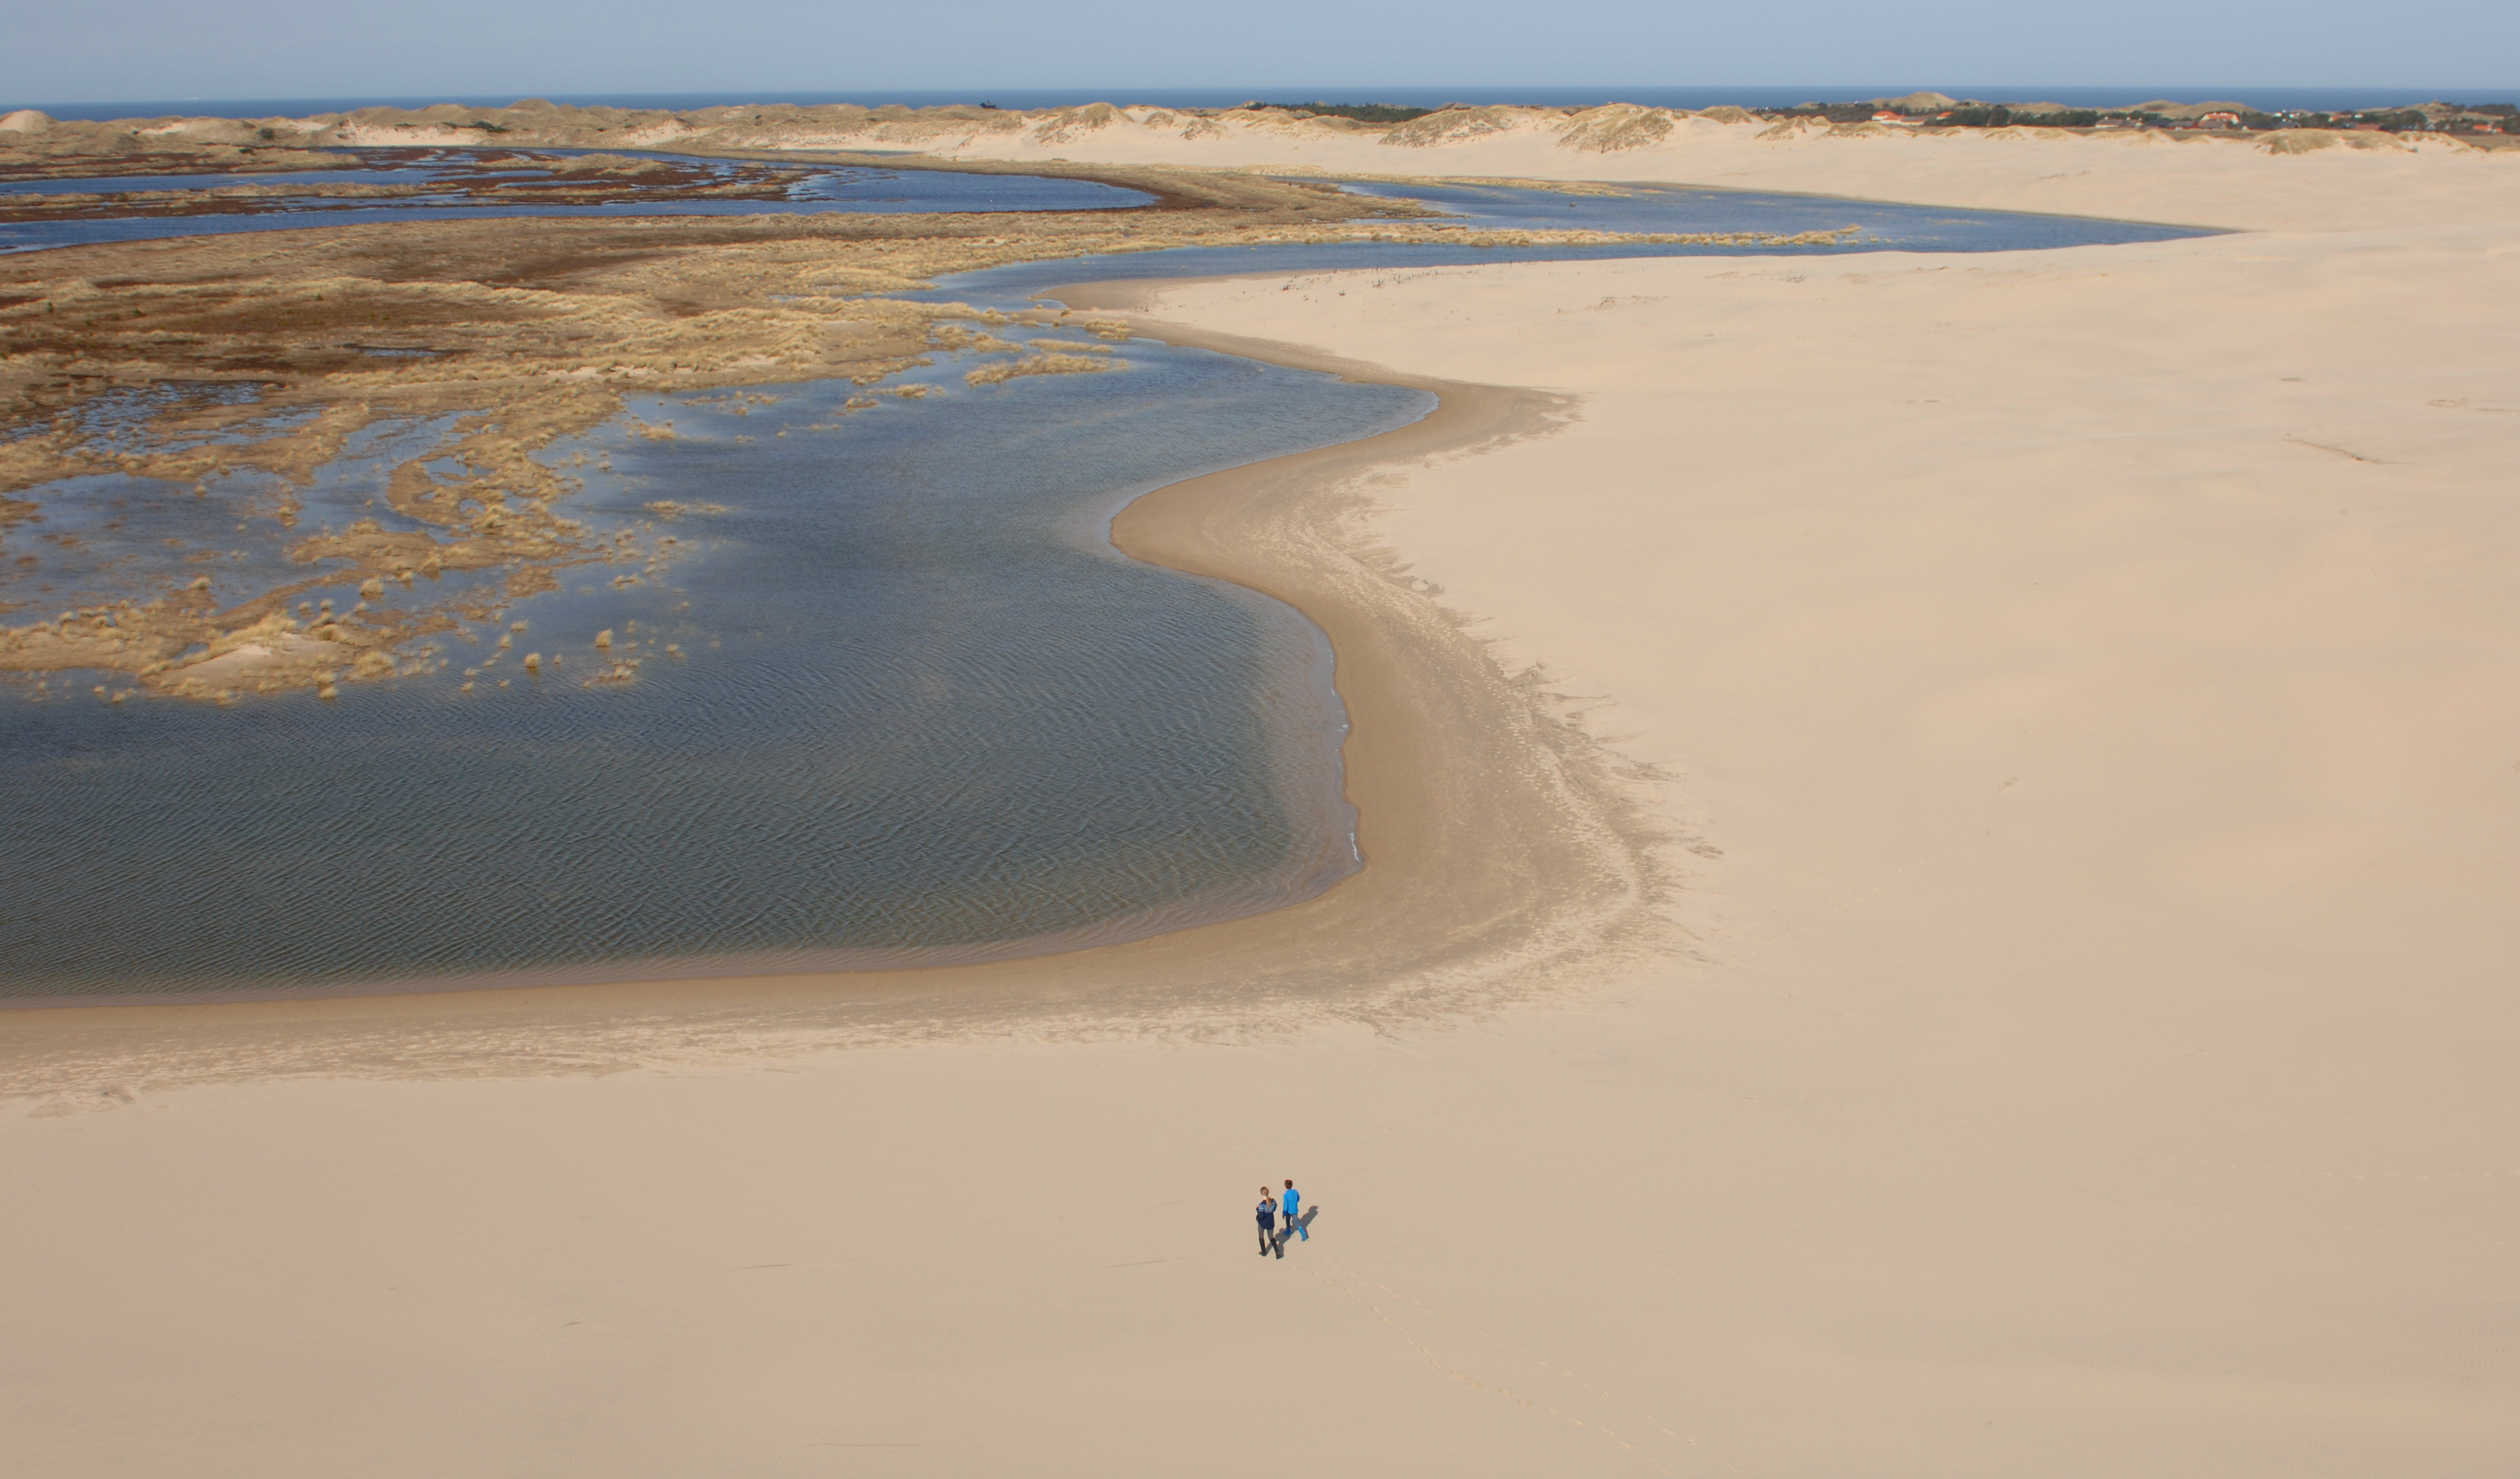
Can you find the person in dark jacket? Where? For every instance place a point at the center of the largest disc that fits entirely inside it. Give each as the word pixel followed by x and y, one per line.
pixel 1267 1211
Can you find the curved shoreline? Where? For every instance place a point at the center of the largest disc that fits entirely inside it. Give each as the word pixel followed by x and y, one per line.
pixel 1500 845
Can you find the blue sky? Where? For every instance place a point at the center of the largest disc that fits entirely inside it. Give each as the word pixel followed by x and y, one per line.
pixel 176 49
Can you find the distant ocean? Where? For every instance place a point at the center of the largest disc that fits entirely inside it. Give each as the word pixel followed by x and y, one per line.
pixel 2266 98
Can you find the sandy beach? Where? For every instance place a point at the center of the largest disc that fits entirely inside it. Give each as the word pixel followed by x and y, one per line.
pixel 1938 840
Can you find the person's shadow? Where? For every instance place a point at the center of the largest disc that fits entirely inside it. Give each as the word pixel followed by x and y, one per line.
pixel 1303 1220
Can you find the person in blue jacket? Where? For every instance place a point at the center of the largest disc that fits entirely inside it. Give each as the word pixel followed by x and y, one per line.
pixel 1291 1206
pixel 1267 1214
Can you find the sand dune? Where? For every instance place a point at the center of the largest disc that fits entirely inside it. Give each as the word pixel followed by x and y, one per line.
pixel 2083 684
pixel 2324 180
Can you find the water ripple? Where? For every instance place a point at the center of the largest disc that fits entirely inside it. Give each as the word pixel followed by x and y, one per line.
pixel 934 718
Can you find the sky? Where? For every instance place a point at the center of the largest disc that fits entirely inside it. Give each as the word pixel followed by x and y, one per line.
pixel 116 49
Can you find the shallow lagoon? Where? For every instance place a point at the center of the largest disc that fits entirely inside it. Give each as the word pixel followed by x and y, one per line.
pixel 921 710
pixel 1646 208
pixel 844 189
pixel 1659 208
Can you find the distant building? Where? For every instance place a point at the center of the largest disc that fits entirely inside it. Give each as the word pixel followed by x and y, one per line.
pixel 2219 120
pixel 1885 116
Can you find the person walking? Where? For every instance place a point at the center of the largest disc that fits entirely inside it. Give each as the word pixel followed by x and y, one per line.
pixel 1291 1205
pixel 1267 1214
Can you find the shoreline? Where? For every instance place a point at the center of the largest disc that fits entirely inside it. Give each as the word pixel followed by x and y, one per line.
pixel 1499 842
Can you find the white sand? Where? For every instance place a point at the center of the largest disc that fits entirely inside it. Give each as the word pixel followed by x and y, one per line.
pixel 2096 669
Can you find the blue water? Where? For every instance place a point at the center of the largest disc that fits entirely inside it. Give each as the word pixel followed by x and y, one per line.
pixel 826 190
pixel 1648 208
pixel 1651 208
pixel 922 710
pixel 119 184
pixel 2266 98
pixel 841 186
